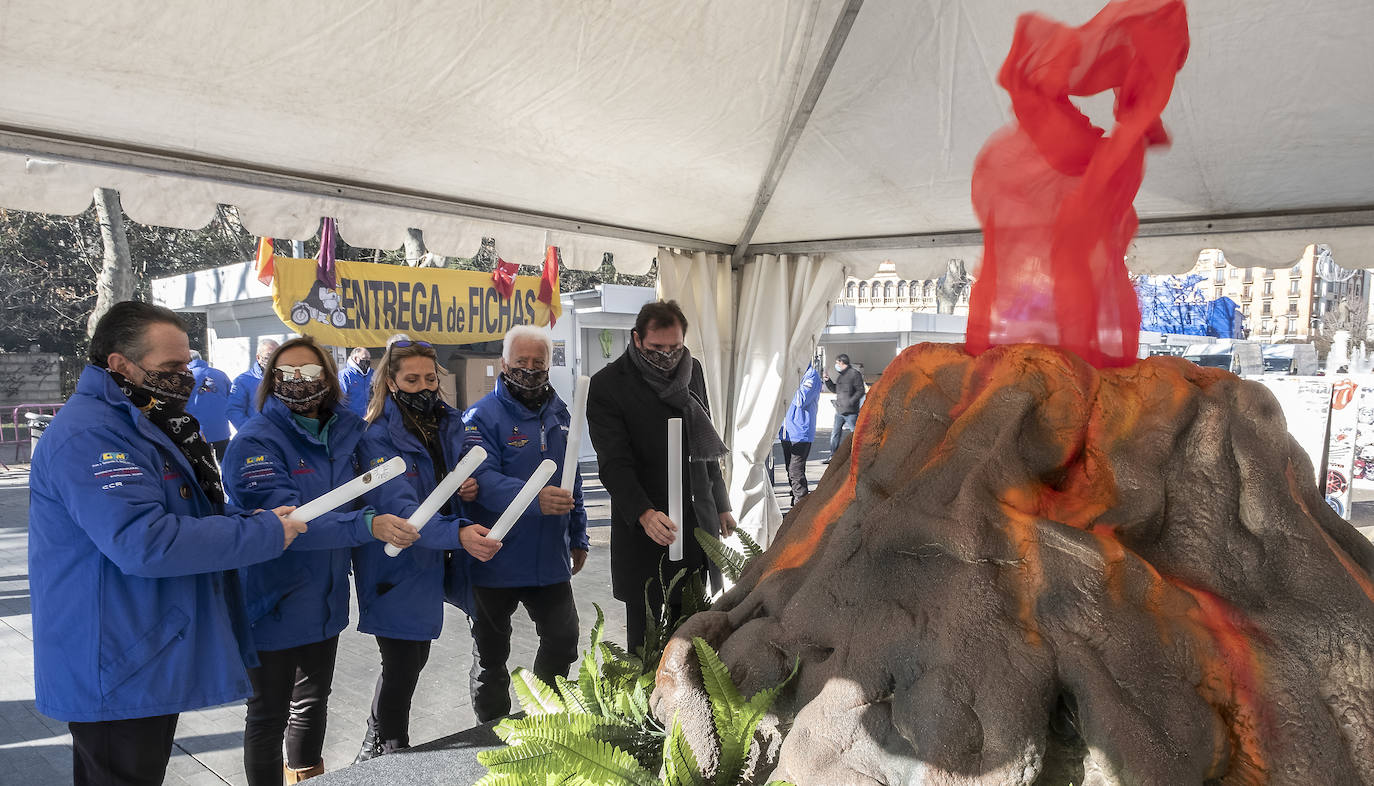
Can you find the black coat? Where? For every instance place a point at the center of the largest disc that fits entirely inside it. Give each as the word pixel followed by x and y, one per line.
pixel 848 389
pixel 628 424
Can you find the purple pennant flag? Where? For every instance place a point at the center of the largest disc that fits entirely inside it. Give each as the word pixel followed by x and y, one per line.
pixel 324 261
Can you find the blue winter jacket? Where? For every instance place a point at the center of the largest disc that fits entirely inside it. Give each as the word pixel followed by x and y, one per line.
pixel 517 439
pixel 242 395
pixel 209 402
pixel 357 386
pixel 800 423
pixel 402 597
pixel 136 609
pixel 300 597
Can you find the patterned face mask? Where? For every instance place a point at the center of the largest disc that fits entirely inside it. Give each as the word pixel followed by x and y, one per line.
pixel 529 386
pixel 664 361
pixel 421 402
pixel 172 387
pixel 300 395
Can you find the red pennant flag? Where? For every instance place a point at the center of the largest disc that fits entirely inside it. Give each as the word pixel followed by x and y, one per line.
pixel 548 305
pixel 503 277
pixel 266 257
pixel 324 261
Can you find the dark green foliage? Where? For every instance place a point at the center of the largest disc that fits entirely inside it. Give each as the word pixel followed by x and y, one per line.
pixel 599 730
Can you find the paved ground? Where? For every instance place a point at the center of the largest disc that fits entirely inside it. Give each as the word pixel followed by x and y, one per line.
pixel 37 750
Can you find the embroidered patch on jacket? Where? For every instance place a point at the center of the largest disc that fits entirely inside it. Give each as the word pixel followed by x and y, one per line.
pixel 302 469
pixel 255 460
pixel 517 439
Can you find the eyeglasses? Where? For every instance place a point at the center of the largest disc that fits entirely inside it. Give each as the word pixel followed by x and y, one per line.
pixel 308 372
pixel 402 344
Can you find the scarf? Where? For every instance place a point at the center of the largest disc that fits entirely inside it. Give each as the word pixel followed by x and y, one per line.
pixel 183 430
pixel 673 388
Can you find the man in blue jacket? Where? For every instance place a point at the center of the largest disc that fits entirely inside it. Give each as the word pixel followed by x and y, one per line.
pixel 519 425
pixel 799 431
pixel 209 403
pixel 356 380
pixel 138 614
pixel 245 386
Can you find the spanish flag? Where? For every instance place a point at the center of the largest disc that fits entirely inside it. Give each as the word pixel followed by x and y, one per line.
pixel 265 258
pixel 548 307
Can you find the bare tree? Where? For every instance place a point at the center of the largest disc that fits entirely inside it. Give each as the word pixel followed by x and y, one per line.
pixel 116 281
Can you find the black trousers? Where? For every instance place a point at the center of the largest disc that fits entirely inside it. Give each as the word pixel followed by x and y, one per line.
pixel 290 701
pixel 130 752
pixel 796 454
pixel 402 661
pixel 555 621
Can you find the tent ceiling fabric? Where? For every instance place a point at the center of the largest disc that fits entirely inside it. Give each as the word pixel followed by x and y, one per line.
pixel 655 116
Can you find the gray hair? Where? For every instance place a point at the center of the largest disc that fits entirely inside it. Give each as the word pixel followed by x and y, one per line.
pixel 269 344
pixel 527 332
pixel 195 355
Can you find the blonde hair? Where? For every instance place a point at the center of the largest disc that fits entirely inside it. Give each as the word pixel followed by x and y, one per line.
pixel 386 372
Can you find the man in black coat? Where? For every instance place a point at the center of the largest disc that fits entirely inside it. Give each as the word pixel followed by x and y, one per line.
pixel 628 408
pixel 848 387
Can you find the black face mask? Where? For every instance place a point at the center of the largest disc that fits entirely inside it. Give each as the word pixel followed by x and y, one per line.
pixel 529 386
pixel 173 388
pixel 363 364
pixel 421 402
pixel 300 395
pixel 664 361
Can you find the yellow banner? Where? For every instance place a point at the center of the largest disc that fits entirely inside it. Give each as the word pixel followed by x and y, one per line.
pixel 374 302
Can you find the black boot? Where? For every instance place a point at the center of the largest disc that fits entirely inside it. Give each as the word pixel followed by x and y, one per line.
pixel 372 746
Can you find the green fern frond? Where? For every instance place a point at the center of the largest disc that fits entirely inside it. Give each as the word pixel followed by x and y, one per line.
pixel 752 550
pixel 720 690
pixel 571 694
pixel 694 599
pixel 729 561
pixel 599 629
pixel 680 766
pixel 522 760
pixel 501 779
pixel 599 762
pixel 542 729
pixel 536 697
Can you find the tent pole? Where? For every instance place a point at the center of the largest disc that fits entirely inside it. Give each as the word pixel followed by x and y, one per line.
pixel 787 141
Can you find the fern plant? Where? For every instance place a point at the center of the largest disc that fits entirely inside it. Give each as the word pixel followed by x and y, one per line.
pixel 598 729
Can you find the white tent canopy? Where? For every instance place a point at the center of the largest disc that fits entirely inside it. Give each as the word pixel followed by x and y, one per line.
pixel 824 135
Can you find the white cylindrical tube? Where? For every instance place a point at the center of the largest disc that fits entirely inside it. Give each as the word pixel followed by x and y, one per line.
pixel 533 486
pixel 675 486
pixel 441 494
pixel 579 414
pixel 351 490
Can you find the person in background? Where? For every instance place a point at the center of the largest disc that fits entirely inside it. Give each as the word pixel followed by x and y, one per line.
pixel 209 403
pixel 628 408
pixel 799 431
pixel 401 598
pixel 138 614
pixel 356 380
pixel 245 387
pixel 848 387
pixel 302 445
pixel 519 425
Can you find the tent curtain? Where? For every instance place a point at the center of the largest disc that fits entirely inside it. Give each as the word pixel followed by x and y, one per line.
pixel 704 287
pixel 784 303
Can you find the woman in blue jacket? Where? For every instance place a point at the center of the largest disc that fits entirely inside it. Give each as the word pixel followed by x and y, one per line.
pixel 401 599
pixel 302 444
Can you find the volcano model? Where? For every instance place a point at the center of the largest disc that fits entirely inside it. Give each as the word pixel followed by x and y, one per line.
pixel 1025 570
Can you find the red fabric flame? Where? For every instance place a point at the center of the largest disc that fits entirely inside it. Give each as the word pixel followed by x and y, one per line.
pixel 1054 195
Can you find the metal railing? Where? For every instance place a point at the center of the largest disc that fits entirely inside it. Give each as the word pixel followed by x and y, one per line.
pixel 16 429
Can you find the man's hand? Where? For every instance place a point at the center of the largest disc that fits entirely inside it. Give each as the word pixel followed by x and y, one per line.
pixel 290 527
pixel 554 501
pixel 658 527
pixel 394 530
pixel 475 542
pixel 727 524
pixel 468 491
pixel 579 558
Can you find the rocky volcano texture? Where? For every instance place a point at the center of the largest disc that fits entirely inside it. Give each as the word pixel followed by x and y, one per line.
pixel 1025 570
